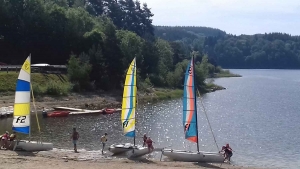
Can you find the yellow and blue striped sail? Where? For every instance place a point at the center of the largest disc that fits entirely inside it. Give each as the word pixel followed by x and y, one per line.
pixel 21 121
pixel 129 101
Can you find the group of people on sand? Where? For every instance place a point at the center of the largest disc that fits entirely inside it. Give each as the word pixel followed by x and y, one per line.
pixel 75 136
pixel 6 140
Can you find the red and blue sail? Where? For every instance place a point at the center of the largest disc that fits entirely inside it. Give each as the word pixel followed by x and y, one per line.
pixel 189 104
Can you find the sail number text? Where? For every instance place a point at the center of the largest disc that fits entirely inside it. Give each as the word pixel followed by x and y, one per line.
pixel 186 127
pixel 190 70
pixel 125 123
pixel 21 119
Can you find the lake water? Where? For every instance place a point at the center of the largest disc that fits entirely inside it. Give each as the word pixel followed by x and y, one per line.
pixel 258 114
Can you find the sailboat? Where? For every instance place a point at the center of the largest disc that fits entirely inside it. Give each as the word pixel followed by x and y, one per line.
pixel 21 115
pixel 128 115
pixel 191 126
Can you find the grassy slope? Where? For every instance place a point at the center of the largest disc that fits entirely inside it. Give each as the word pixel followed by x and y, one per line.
pixel 8 81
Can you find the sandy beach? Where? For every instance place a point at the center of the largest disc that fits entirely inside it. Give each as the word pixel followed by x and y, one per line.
pixel 69 160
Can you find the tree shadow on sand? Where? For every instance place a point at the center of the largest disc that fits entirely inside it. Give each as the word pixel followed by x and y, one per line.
pixel 206 165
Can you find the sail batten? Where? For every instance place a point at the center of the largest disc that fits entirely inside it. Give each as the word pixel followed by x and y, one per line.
pixel 189 105
pixel 129 101
pixel 21 121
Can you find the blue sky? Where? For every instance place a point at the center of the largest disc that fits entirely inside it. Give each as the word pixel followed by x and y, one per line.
pixel 233 16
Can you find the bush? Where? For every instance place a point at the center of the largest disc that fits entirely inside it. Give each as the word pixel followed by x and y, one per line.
pixel 57 89
pixel 37 90
pixel 52 88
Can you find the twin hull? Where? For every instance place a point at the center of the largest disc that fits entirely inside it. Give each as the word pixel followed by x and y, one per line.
pixel 32 145
pixel 186 156
pixel 130 149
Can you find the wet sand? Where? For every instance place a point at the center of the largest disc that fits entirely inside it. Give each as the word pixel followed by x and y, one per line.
pixel 69 160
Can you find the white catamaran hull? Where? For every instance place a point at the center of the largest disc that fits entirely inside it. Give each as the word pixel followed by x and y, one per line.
pixel 33 145
pixel 130 149
pixel 138 152
pixel 186 156
pixel 120 148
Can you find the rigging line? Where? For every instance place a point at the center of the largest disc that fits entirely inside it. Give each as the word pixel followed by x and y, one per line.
pixel 207 119
pixel 37 119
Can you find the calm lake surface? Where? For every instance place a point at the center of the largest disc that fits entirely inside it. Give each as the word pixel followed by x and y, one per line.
pixel 258 114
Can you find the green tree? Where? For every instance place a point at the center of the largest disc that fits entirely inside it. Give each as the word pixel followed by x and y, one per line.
pixel 78 72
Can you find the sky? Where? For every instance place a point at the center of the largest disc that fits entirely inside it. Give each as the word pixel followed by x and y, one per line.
pixel 232 16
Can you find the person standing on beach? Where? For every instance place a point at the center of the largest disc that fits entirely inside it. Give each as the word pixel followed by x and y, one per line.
pixel 75 137
pixel 103 141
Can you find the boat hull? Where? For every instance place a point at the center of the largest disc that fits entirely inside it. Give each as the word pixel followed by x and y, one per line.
pixel 186 156
pixel 120 148
pixel 31 146
pixel 138 152
pixel 58 114
pixel 130 149
pixel 109 111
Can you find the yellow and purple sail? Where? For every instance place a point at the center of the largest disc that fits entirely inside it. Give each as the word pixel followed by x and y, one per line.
pixel 129 101
pixel 21 121
pixel 189 104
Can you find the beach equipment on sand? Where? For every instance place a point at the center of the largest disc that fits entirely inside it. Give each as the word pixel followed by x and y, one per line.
pixel 190 124
pixel 129 104
pixel 21 115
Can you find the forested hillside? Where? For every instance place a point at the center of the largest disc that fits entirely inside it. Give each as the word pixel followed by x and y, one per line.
pixel 101 36
pixel 274 50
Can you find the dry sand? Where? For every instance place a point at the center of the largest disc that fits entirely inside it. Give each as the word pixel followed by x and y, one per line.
pixel 70 160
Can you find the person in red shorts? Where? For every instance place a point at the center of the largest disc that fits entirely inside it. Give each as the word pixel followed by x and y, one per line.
pixel 149 143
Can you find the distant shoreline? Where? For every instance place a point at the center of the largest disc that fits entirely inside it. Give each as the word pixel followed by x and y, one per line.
pixel 100 99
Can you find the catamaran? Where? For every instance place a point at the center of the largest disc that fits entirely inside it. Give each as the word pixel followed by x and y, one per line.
pixel 191 126
pixel 21 122
pixel 128 115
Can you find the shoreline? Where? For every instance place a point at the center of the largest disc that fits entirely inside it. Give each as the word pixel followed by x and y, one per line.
pixel 66 159
pixel 83 101
pixel 99 100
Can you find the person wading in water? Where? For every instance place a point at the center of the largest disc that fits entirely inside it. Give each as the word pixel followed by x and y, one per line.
pixel 103 141
pixel 75 137
pixel 144 139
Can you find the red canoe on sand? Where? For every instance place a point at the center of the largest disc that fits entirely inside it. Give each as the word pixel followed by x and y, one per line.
pixel 58 114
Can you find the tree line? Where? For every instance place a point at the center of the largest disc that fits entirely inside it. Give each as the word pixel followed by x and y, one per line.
pixel 97 39
pixel 264 51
